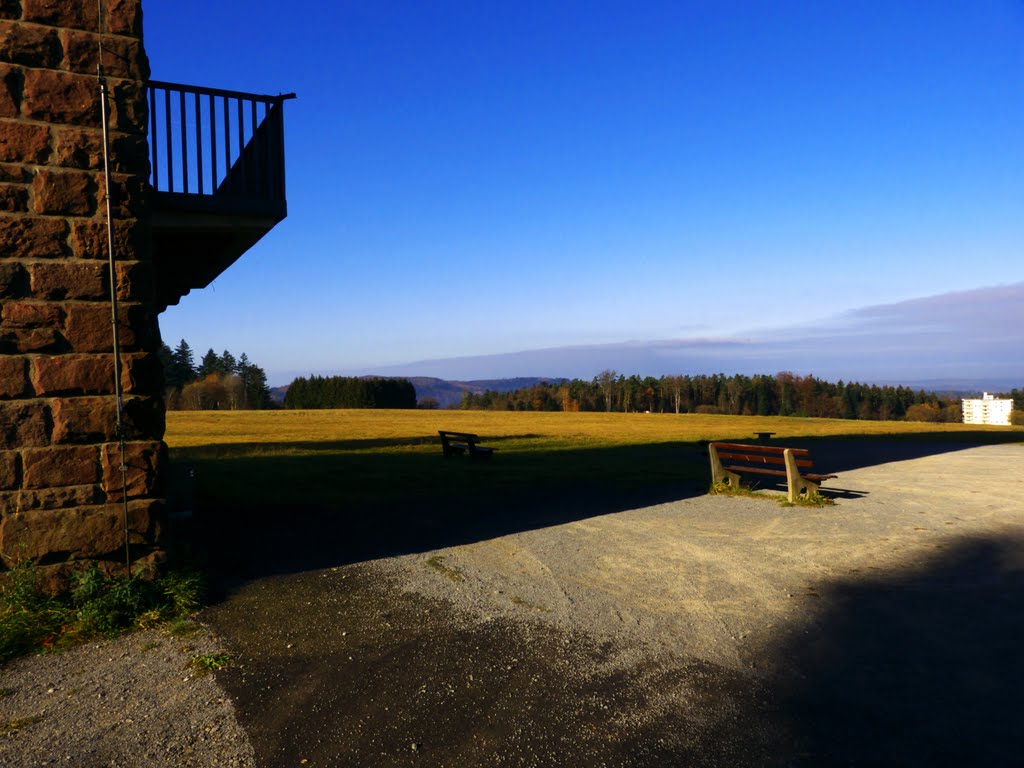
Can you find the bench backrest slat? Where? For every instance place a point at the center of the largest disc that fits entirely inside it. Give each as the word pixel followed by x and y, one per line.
pixel 761 449
pixel 762 454
pixel 444 433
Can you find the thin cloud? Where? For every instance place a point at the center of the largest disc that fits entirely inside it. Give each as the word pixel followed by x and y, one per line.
pixel 976 335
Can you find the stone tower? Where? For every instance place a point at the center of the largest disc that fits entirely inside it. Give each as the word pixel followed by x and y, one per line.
pixel 61 476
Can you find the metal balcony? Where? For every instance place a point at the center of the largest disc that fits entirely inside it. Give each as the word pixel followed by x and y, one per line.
pixel 217 180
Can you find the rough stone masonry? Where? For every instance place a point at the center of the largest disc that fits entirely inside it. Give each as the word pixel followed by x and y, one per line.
pixel 60 479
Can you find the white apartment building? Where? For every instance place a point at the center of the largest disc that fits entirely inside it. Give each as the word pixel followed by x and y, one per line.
pixel 987 410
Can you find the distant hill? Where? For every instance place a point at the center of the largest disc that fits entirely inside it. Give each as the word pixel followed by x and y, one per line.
pixel 449 393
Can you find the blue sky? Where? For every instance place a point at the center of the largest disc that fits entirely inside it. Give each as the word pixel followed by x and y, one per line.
pixel 478 179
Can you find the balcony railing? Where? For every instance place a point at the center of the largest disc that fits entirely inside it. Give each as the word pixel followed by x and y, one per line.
pixel 215 150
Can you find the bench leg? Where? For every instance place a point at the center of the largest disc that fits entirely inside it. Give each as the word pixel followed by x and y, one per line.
pixel 797 485
pixel 719 474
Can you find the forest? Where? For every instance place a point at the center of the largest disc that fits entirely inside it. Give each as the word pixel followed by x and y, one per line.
pixel 350 392
pixel 218 383
pixel 784 394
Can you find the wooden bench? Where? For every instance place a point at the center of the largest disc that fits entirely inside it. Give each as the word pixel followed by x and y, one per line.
pixel 730 460
pixel 459 443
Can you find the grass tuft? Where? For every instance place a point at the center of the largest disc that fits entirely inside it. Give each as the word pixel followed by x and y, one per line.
pixel 811 500
pixel 97 605
pixel 211 662
pixel 17 723
pixel 452 574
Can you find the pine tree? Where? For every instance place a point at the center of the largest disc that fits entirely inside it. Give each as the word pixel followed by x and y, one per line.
pixel 209 364
pixel 181 368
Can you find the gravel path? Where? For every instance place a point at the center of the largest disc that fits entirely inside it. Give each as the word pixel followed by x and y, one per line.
pixel 131 701
pixel 884 630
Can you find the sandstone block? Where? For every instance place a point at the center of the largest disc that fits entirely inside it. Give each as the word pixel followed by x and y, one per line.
pixel 14 282
pixel 14 198
pixel 83 148
pixel 25 340
pixel 129 110
pixel 11 84
pixel 124 17
pixel 29 45
pixel 84 419
pixel 121 56
pixel 128 195
pixel 24 142
pixel 58 466
pixel 88 327
pixel 144 417
pixel 135 281
pixel 58 498
pixel 8 470
pixel 33 238
pixel 148 565
pixel 146 521
pixel 56 280
pixel 14 377
pixel 70 193
pixel 142 374
pixel 61 13
pixel 14 174
pixel 59 97
pixel 24 424
pixel 73 375
pixel 78 148
pixel 54 535
pixel 89 239
pixel 10 9
pixel 30 314
pixel 142 462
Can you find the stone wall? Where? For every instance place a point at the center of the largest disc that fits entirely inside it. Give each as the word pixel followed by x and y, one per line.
pixel 60 477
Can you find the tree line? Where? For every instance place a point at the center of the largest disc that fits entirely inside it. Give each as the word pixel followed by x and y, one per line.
pixel 218 383
pixel 784 394
pixel 350 392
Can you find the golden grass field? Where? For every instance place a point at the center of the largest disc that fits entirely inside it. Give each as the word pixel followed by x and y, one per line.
pixel 327 458
pixel 517 430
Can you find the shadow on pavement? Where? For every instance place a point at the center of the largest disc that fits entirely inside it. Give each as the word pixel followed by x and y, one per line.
pixel 915 668
pixel 356 507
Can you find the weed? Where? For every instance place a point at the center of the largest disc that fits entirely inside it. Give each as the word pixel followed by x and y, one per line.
pixel 517 600
pixel 17 723
pixel 724 489
pixel 184 590
pixel 810 500
pixel 211 662
pixel 452 574
pixel 182 627
pixel 97 605
pixel 28 617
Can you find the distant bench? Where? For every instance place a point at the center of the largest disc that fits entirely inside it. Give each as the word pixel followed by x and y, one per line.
pixel 730 460
pixel 458 443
